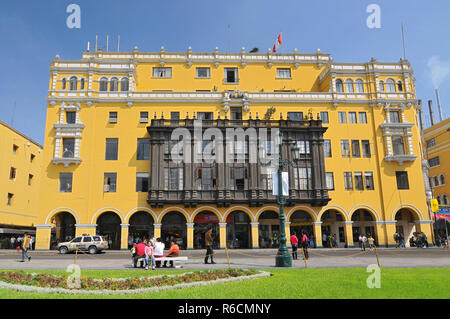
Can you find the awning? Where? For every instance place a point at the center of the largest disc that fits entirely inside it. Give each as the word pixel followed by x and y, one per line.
pixel 16 231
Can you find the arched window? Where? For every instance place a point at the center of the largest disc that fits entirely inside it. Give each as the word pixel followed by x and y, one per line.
pixel 438 199
pixel 64 83
pixel 103 84
pixel 349 86
pixel 124 84
pixel 339 86
pixel 381 86
pixel 359 86
pixel 445 199
pixel 400 86
pixel 73 83
pixel 82 84
pixel 113 84
pixel 390 85
pixel 442 178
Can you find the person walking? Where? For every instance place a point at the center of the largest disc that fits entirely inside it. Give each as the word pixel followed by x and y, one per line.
pixel 13 242
pixel 294 243
pixel 25 247
pixel 209 245
pixel 371 241
pixel 364 241
pixel 397 240
pixel 360 241
pixel 174 251
pixel 305 245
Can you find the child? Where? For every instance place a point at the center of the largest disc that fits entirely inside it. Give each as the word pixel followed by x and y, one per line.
pixel 149 253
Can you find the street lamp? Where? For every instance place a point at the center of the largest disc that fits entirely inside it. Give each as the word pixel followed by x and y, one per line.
pixel 283 258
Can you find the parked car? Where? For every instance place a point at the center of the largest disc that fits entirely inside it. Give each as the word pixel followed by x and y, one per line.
pixel 92 244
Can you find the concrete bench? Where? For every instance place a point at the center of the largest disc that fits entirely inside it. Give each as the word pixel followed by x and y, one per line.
pixel 176 261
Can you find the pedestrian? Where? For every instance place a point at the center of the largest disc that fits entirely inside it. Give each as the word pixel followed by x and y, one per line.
pixel 13 242
pixel 401 240
pixel 130 241
pixel 397 240
pixel 140 252
pixel 294 243
pixel 209 245
pixel 305 246
pixel 371 241
pixel 364 241
pixel 159 251
pixel 32 242
pixel 334 241
pixel 133 254
pixel 149 252
pixel 174 251
pixel 324 239
pixel 25 247
pixel 425 240
pixel 360 241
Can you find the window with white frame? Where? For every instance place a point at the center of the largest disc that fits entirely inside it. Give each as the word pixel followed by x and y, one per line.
pixel 203 73
pixel 162 72
pixel 283 73
pixel 349 86
pixel 398 145
pixel 303 178
pixel 330 180
pixel 390 86
pixel 359 86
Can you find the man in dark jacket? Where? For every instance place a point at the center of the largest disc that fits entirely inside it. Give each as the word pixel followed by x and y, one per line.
pixel 209 245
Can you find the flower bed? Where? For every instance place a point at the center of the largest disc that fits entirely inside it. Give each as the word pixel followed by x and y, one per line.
pixel 22 281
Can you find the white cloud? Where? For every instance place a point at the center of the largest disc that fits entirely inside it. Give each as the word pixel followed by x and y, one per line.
pixel 439 70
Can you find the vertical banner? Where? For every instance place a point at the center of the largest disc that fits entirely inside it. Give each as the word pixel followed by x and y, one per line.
pixel 284 181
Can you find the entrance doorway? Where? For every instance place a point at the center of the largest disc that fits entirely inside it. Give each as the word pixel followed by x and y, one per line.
pixel 64 229
pixel 141 226
pixel 201 223
pixel 174 228
pixel 269 230
pixel 405 224
pixel 302 221
pixel 108 226
pixel 333 234
pixel 238 230
pixel 363 224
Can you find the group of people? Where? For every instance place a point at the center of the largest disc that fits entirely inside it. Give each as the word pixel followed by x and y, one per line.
pixel 304 243
pixel 329 240
pixel 442 240
pixel 399 240
pixel 366 241
pixel 17 242
pixel 151 249
pixel 418 240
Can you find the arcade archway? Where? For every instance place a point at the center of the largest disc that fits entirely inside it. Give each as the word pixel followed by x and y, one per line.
pixel 174 228
pixel 333 229
pixel 108 226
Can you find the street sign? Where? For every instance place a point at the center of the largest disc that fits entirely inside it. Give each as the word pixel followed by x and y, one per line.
pixel 434 205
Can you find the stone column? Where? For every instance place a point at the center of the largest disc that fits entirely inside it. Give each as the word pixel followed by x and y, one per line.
pixel 157 230
pixel 190 235
pixel 124 236
pixel 43 236
pixel 318 234
pixel 390 231
pixel 380 228
pixel 255 234
pixel 223 235
pixel 287 227
pixel 349 234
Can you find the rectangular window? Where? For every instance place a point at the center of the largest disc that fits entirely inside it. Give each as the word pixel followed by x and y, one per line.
pixel 342 117
pixel 70 117
pixel 267 177
pixel 402 180
pixel 162 72
pixel 143 117
pixel 174 116
pixel 362 117
pixel 204 115
pixel 142 182
pixel 9 200
pixel 348 181
pixel 397 145
pixel 112 147
pixel 434 161
pixel 369 180
pixel 356 152
pixel 109 182
pixel 283 73
pixel 239 178
pixel 304 147
pixel 143 149
pixel 231 75
pixel 68 147
pixel 236 113
pixel 431 142
pixel 112 117
pixel 302 176
pixel 365 148
pixel 330 180
pixel 345 148
pixel 65 182
pixel 173 178
pixel 12 173
pixel 30 179
pixel 15 148
pixel 203 73
pixel 394 117
pixel 324 117
pixel 327 148
pixel 295 116
pixel 352 117
pixel 205 178
pixel 359 184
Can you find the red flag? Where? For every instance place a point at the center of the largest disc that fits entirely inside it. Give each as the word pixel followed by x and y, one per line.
pixel 277 43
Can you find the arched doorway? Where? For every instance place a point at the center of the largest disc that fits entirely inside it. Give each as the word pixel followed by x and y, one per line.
pixel 108 226
pixel 141 226
pixel 201 223
pixel 64 228
pixel 174 228
pixel 239 234
pixel 302 221
pixel 363 224
pixel 333 224
pixel 269 230
pixel 405 224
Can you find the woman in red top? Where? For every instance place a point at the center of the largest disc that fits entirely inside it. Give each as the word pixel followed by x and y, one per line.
pixel 294 242
pixel 305 245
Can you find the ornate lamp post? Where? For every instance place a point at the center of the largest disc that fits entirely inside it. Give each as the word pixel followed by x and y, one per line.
pixel 283 258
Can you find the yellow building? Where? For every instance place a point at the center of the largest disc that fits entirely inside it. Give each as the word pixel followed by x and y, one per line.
pixel 20 171
pixel 437 144
pixel 360 173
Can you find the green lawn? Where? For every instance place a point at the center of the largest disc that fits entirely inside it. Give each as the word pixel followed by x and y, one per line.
pixel 347 283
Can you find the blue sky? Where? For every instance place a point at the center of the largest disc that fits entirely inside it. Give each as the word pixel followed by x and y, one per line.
pixel 33 32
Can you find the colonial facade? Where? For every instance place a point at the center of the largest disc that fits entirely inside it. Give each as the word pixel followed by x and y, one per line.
pixel 109 166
